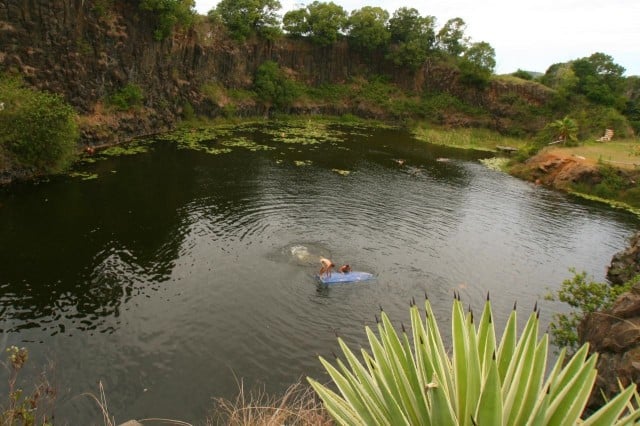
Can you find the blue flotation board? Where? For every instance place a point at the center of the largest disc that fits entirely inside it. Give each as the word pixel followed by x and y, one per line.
pixel 349 277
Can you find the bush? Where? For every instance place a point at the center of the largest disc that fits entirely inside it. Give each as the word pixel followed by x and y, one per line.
pixel 37 129
pixel 273 87
pixel 128 97
pixel 522 74
pixel 35 408
pixel 584 296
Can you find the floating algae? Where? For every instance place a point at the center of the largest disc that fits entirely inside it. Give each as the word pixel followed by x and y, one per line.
pixel 341 172
pixel 242 142
pixel 496 163
pixel 83 175
pixel 132 148
pixel 307 133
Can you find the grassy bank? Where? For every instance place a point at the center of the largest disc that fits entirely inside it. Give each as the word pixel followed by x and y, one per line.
pixel 466 138
pixel 607 172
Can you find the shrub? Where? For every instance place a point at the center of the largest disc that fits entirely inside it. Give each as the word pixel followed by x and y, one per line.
pixel 273 87
pixel 483 383
pixel 128 97
pixel 22 407
pixel 37 129
pixel 188 113
pixel 584 296
pixel 525 75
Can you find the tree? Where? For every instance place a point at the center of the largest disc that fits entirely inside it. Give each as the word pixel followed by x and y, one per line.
pixel 477 64
pixel 368 28
pixel 244 18
pixel 565 129
pixel 168 14
pixel 632 108
pixel 410 379
pixel 407 24
pixel 295 22
pixel 451 37
pixel 600 79
pixel 326 21
pixel 412 37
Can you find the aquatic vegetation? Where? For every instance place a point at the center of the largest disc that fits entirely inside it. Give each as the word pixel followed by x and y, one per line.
pixel 133 148
pixel 610 202
pixel 83 175
pixel 309 132
pixel 242 142
pixel 495 163
pixel 341 172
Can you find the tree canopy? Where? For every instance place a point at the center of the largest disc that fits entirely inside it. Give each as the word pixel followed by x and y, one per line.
pixel 367 28
pixel 244 18
pixel 326 21
pixel 451 38
pixel 599 79
pixel 168 14
pixel 412 37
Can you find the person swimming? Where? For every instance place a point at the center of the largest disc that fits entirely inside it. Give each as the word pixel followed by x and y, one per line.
pixel 327 265
pixel 344 269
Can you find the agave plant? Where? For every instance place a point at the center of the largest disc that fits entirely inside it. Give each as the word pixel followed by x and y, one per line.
pixel 482 383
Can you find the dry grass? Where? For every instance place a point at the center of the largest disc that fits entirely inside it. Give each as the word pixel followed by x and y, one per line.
pixel 108 420
pixel 624 154
pixel 298 406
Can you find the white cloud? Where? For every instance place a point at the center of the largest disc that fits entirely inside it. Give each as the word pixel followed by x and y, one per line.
pixel 529 35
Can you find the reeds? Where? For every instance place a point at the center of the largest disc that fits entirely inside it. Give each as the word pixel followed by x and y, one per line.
pixel 298 406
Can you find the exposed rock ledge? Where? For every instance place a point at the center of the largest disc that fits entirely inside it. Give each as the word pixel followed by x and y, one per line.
pixel 615 333
pixel 557 171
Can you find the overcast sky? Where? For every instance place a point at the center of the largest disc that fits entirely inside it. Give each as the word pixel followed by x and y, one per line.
pixel 529 35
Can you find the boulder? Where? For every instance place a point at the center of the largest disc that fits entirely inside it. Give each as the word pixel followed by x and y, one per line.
pixel 625 264
pixel 615 335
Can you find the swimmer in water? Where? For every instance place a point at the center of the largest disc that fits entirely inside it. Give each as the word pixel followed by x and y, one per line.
pixel 344 269
pixel 327 265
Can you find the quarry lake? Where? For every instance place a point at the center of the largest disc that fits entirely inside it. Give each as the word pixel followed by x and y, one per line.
pixel 173 274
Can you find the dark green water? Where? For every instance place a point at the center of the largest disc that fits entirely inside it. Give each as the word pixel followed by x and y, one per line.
pixel 177 272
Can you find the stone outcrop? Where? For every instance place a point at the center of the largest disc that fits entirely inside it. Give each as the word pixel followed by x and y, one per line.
pixel 558 172
pixel 615 335
pixel 625 264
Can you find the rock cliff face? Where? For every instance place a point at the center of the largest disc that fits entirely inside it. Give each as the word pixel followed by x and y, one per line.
pixel 615 333
pixel 626 264
pixel 89 49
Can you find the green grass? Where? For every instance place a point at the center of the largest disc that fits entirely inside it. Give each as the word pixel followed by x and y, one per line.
pixel 467 138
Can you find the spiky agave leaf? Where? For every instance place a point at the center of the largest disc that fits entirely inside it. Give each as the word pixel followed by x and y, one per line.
pixel 483 383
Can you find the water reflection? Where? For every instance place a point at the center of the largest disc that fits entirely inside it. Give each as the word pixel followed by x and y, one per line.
pixel 176 270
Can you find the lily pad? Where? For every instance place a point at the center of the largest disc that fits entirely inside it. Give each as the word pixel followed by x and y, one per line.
pixel 84 175
pixel 341 172
pixel 243 142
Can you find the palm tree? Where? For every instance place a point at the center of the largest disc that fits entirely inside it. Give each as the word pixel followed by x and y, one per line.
pixel 565 129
